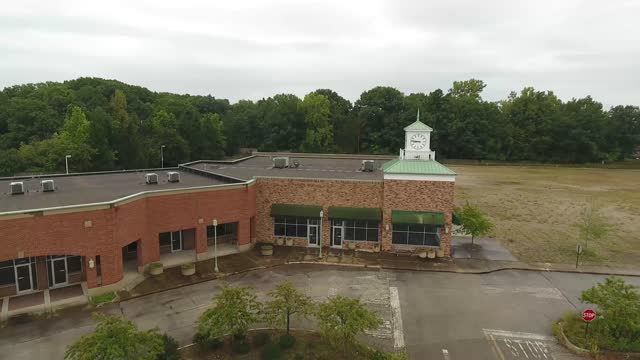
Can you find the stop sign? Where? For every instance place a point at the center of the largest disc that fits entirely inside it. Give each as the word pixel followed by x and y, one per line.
pixel 588 315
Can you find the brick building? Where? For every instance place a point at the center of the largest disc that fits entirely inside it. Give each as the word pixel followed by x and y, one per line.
pixel 92 228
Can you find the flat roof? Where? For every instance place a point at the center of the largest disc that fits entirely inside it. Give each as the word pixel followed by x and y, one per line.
pixel 312 166
pixel 77 189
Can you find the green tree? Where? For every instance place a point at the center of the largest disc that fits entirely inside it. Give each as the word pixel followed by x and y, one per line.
pixel 317 114
pixel 164 132
pixel 468 88
pixel 618 323
pixel 473 221
pixel 343 123
pixel 117 339
pixel 126 141
pixel 235 310
pixel 379 111
pixel 287 301
pixel 341 319
pixel 593 225
pixel 213 139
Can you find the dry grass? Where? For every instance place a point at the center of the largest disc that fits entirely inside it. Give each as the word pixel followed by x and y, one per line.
pixel 536 209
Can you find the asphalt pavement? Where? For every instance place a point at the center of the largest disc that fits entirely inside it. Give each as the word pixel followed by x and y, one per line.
pixel 502 315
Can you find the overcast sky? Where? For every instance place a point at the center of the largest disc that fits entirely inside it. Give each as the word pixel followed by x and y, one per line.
pixel 253 49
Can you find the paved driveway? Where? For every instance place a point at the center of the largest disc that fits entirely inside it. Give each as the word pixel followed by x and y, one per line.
pixel 500 316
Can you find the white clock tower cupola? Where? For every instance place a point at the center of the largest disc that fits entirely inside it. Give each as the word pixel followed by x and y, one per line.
pixel 417 142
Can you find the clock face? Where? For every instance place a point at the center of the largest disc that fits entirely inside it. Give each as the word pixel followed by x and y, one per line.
pixel 418 141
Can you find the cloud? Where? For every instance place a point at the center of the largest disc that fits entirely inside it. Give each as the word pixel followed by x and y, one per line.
pixel 254 49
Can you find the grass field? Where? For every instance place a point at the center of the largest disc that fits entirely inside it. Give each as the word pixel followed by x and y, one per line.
pixel 535 210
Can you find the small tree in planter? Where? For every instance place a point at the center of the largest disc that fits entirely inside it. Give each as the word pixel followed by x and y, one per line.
pixel 156 268
pixel 342 319
pixel 236 309
pixel 287 301
pixel 188 269
pixel 266 249
pixel 473 221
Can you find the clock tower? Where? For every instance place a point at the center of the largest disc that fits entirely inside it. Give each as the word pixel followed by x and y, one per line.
pixel 417 142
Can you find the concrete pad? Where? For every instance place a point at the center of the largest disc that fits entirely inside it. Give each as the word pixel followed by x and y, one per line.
pixel 26 301
pixel 65 293
pixel 483 249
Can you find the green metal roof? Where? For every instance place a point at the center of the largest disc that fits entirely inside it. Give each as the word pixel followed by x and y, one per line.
pixel 416 167
pixel 348 213
pixel 417 126
pixel 417 217
pixel 295 210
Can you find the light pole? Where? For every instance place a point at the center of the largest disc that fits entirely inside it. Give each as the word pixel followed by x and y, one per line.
pixel 162 155
pixel 320 236
pixel 66 162
pixel 215 244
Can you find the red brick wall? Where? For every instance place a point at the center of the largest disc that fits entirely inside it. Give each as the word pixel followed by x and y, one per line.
pixel 312 192
pixel 414 195
pixel 113 228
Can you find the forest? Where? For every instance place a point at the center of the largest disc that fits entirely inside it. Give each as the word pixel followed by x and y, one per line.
pixel 110 125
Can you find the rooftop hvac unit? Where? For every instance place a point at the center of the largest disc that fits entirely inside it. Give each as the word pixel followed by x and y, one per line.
pixel 367 165
pixel 16 187
pixel 280 162
pixel 151 178
pixel 173 176
pixel 47 185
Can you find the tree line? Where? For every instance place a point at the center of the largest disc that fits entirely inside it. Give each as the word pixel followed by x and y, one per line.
pixel 108 125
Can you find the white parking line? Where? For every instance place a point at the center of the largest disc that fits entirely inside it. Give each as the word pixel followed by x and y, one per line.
pixel 396 318
pixel 516 334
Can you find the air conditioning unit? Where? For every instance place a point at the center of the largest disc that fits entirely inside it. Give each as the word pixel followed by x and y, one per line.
pixel 16 188
pixel 368 165
pixel 151 178
pixel 47 185
pixel 173 176
pixel 280 162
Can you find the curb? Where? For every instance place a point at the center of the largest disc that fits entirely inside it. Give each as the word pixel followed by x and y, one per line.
pixel 380 267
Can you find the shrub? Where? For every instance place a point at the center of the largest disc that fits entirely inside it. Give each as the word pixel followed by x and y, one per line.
pixel 209 343
pixel 260 339
pixel 188 266
pixel 155 265
pixel 170 349
pixel 271 352
pixel 298 356
pixel 241 347
pixel 287 341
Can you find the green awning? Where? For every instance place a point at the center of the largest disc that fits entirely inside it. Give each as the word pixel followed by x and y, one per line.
pixel 295 210
pixel 417 217
pixel 455 219
pixel 348 213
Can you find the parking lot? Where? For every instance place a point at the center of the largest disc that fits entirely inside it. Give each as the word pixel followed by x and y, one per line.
pixel 505 315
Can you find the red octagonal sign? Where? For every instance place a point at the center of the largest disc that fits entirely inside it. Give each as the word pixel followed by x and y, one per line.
pixel 588 315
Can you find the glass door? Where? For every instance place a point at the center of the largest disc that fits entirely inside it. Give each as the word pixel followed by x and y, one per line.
pixel 23 278
pixel 312 234
pixel 59 271
pixel 337 236
pixel 176 241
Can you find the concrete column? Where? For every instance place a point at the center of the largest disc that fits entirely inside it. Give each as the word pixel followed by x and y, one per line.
pixel 387 231
pixel 148 251
pixel 244 234
pixel 42 272
pixel 325 238
pixel 91 274
pixel 111 267
pixel 201 241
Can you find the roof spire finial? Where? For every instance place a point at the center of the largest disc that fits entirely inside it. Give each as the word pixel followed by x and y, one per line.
pixel 418 117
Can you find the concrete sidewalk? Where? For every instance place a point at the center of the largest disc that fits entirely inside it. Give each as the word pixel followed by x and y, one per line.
pixel 282 255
